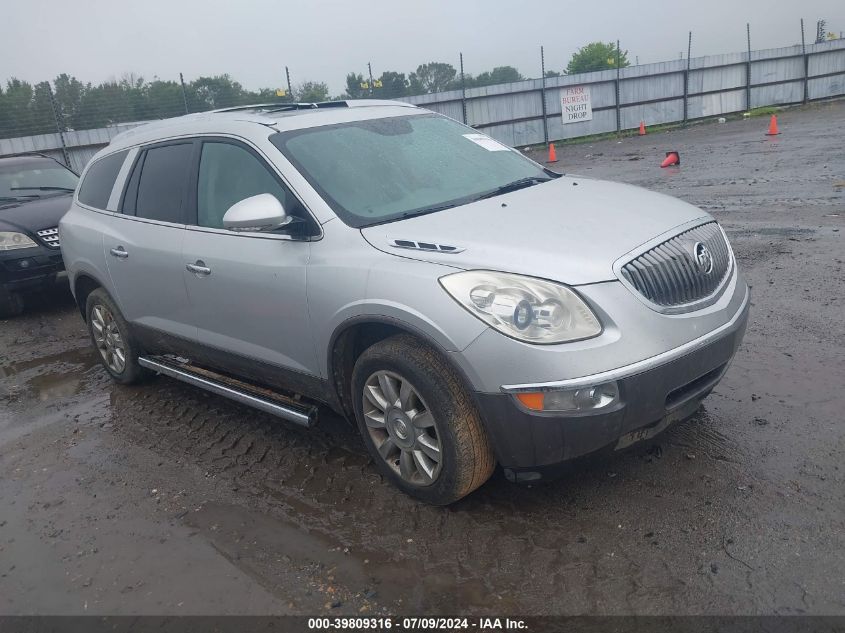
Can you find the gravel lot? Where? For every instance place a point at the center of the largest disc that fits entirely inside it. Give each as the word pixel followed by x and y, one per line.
pixel 164 499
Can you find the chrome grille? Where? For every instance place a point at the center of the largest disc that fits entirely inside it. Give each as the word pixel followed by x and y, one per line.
pixel 671 275
pixel 50 237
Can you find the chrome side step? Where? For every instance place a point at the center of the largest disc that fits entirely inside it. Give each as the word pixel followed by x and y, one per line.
pixel 300 414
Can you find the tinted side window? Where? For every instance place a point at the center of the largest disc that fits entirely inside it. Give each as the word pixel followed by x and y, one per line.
pixel 99 180
pixel 162 188
pixel 228 174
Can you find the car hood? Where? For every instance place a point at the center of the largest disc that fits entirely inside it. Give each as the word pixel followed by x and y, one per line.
pixel 35 215
pixel 570 230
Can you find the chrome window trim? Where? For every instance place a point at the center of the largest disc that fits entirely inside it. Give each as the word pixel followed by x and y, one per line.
pixel 685 307
pixel 643 365
pixel 117 214
pixel 135 149
pixel 256 234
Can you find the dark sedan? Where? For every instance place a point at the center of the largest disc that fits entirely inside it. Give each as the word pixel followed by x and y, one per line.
pixel 35 192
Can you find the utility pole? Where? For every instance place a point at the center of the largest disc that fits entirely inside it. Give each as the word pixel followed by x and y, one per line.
pixel 806 61
pixel 543 91
pixel 184 92
pixel 463 90
pixel 748 68
pixel 618 111
pixel 686 79
pixel 290 90
pixel 60 128
pixel 370 69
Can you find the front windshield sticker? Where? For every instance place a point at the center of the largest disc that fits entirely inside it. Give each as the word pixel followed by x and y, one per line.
pixel 487 143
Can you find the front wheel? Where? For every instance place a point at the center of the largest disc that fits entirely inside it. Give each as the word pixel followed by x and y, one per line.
pixel 419 422
pixel 112 338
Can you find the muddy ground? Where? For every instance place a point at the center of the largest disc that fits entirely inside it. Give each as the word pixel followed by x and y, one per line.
pixel 164 499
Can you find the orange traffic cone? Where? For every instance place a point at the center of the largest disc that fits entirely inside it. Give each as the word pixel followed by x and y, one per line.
pixel 773 126
pixel 672 158
pixel 552 154
pixel 642 128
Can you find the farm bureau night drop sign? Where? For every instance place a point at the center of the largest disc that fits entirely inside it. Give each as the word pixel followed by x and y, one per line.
pixel 576 104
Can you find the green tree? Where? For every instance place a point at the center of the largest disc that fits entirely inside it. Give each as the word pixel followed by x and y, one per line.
pixel 552 73
pixel 164 99
pixel 42 116
pixel 104 104
pixel 268 95
pixel 15 110
pixel 68 93
pixel 353 86
pixel 499 75
pixel 596 56
pixel 431 77
pixel 393 85
pixel 220 91
pixel 25 109
pixel 312 92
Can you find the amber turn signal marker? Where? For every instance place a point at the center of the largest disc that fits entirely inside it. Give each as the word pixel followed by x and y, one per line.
pixel 531 399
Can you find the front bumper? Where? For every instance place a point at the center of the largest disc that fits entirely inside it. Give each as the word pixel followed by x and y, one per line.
pixel 654 393
pixel 29 269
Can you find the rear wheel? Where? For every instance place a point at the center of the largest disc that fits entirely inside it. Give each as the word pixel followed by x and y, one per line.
pixel 112 338
pixel 418 421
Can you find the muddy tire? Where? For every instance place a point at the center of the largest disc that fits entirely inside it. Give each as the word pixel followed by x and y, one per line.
pixel 11 303
pixel 418 421
pixel 112 339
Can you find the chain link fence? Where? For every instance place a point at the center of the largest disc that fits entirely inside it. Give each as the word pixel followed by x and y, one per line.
pixel 55 116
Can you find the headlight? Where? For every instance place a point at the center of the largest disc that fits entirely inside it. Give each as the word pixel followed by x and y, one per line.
pixel 527 309
pixel 10 241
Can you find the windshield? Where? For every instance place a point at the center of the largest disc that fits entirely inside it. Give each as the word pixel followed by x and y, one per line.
pixel 28 178
pixel 380 170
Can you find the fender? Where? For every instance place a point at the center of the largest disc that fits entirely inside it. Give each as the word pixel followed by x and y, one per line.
pixel 400 325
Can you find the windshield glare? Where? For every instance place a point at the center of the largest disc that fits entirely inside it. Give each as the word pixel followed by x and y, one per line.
pixel 379 170
pixel 26 179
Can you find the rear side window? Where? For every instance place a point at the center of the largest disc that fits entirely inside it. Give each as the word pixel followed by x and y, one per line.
pixel 99 180
pixel 158 186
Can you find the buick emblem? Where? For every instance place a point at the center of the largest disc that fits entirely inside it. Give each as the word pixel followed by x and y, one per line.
pixel 703 258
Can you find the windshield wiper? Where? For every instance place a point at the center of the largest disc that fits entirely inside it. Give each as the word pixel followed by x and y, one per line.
pixel 43 189
pixel 416 212
pixel 522 183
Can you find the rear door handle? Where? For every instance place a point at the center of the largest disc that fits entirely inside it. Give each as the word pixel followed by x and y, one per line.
pixel 199 268
pixel 119 252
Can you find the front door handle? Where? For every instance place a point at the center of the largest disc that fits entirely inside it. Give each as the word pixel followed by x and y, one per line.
pixel 119 252
pixel 199 268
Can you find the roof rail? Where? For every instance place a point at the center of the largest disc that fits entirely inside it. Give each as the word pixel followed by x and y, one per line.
pixel 284 107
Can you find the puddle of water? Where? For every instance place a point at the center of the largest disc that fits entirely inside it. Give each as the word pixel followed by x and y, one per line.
pixel 54 386
pixel 49 377
pixel 80 356
pixel 240 535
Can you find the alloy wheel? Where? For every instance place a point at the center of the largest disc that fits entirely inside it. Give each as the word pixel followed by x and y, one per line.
pixel 108 339
pixel 402 428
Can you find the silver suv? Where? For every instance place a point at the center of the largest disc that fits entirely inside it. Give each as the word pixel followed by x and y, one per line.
pixel 463 304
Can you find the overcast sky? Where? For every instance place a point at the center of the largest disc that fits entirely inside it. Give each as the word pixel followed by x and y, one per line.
pixel 253 40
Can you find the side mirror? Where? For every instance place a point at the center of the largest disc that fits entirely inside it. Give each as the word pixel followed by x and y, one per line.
pixel 263 212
